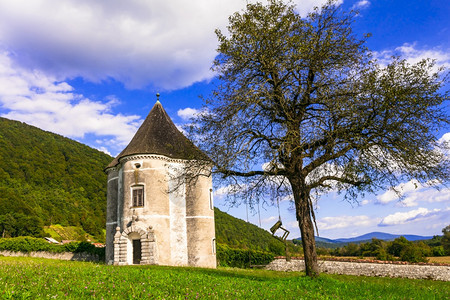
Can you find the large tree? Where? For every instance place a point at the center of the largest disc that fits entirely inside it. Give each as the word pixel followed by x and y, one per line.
pixel 304 98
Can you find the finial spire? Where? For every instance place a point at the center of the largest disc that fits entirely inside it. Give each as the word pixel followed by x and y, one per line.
pixel 157 97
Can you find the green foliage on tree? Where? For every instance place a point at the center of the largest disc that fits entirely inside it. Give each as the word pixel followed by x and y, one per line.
pixel 446 240
pixel 18 224
pixel 398 245
pixel 48 179
pixel 306 98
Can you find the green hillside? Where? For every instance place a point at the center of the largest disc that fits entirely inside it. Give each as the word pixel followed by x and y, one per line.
pixel 237 233
pixel 49 179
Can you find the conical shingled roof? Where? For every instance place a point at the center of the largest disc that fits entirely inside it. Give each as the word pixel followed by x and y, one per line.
pixel 159 135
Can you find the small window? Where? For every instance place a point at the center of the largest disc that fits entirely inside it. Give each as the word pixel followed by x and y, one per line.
pixel 214 246
pixel 138 196
pixel 211 200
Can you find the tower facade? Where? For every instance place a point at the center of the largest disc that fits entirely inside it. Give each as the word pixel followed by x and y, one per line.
pixel 156 212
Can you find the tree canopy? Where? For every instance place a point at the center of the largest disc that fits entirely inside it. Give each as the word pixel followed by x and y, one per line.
pixel 304 98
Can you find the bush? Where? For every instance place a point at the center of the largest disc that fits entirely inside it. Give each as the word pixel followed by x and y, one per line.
pixel 381 254
pixel 322 251
pixel 438 251
pixel 241 258
pixel 413 254
pixel 28 244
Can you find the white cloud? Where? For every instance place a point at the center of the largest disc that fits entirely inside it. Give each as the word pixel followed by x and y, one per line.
pixel 421 214
pixel 229 189
pixel 325 169
pixel 413 193
pixel 103 149
pixel 413 54
pixel 364 202
pixel 361 4
pixel 157 43
pixel 402 188
pixel 270 220
pixel 292 225
pixel 429 195
pixel 168 44
pixel 45 102
pixel 306 6
pixel 444 141
pixel 328 223
pixel 187 113
pixel 445 138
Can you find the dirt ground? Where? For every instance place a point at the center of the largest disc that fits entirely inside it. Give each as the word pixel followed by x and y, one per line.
pixel 439 259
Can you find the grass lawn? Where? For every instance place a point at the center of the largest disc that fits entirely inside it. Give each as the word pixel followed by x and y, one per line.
pixel 32 278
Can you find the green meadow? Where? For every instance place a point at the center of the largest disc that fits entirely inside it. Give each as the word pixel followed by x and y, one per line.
pixel 31 278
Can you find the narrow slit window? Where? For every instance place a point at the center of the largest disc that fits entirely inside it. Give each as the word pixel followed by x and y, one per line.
pixel 138 196
pixel 211 200
pixel 213 244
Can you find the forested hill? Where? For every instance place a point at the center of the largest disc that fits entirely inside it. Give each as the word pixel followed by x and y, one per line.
pixel 237 233
pixel 49 179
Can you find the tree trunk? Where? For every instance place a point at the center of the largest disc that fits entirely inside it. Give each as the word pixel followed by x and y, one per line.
pixel 303 213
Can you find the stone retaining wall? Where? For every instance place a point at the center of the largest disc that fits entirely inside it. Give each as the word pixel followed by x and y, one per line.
pixel 63 256
pixel 367 269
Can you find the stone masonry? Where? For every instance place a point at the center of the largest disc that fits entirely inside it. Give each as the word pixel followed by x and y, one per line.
pixel 148 245
pixel 367 269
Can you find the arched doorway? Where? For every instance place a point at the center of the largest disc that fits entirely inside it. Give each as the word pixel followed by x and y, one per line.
pixel 134 249
pixel 135 246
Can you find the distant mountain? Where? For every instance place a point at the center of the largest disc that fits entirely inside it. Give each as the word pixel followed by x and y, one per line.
pixel 382 236
pixel 335 243
pixel 323 240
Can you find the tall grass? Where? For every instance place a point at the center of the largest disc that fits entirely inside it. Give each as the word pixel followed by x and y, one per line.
pixel 31 278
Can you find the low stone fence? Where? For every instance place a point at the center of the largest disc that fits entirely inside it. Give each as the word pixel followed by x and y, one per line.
pixel 63 256
pixel 367 269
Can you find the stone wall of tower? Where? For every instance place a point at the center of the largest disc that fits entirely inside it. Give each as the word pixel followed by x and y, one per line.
pixel 179 215
pixel 200 223
pixel 111 213
pixel 156 213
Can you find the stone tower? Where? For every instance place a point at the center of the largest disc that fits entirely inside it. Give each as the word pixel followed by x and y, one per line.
pixel 155 215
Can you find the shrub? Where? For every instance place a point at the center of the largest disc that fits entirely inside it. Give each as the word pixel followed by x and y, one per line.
pixel 381 254
pixel 28 244
pixel 412 254
pixel 241 258
pixel 438 251
pixel 322 251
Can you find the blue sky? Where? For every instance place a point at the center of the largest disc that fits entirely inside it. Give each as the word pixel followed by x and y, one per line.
pixel 89 70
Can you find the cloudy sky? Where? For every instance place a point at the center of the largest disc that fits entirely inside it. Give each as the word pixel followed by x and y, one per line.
pixel 89 70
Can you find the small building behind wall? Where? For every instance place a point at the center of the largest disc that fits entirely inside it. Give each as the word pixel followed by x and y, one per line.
pixel 156 214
